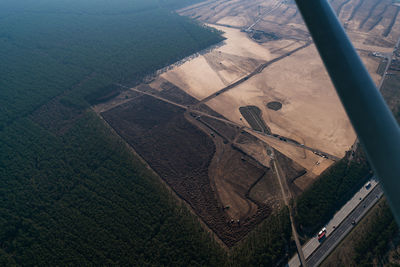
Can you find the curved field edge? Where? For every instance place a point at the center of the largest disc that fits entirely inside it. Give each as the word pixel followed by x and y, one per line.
pixel 89 201
pixel 50 48
pixel 71 194
pixel 333 189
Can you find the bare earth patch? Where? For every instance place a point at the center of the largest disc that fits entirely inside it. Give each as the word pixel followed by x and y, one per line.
pixel 206 151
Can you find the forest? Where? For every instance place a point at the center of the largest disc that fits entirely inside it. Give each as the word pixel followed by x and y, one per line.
pixel 83 199
pixel 380 231
pixel 50 48
pixel 71 192
pixel 78 196
pixel 373 241
pixel 379 239
pixel 317 205
pixel 268 245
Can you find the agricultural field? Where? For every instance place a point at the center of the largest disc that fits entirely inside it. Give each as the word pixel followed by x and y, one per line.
pixel 261 96
pixel 71 192
pixel 170 131
pixel 374 240
pixel 194 164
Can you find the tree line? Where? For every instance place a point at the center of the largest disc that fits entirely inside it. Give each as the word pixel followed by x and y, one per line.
pixel 334 187
pixel 71 193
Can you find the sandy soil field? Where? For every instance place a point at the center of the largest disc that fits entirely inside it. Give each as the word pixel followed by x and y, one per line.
pixel 189 128
pixel 311 113
pixel 206 74
pixel 307 159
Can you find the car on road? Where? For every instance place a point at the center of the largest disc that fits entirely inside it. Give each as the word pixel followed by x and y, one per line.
pixel 322 234
pixel 368 185
pixel 322 237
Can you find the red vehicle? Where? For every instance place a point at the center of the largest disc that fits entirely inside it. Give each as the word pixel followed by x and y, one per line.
pixel 322 235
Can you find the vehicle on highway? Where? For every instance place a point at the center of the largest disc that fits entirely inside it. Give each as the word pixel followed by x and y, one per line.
pixel 368 185
pixel 322 237
pixel 322 234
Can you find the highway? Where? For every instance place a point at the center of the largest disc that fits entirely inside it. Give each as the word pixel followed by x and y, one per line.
pixel 333 225
pixel 344 228
pixel 320 252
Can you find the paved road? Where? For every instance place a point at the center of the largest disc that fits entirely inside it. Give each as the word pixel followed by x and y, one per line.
pixel 358 198
pixel 323 251
pixel 345 227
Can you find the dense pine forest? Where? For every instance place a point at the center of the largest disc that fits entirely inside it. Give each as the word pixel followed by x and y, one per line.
pixel 268 245
pixel 318 204
pixel 379 236
pixel 71 193
pixel 83 199
pixel 48 48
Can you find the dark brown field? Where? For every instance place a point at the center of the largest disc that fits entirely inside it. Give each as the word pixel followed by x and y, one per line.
pixel 181 153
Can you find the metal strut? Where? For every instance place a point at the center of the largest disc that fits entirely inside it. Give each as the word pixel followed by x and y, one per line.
pixel 377 129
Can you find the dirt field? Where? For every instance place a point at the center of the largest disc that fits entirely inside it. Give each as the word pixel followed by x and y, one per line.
pixel 206 74
pixel 229 132
pixel 221 168
pixel 233 173
pixel 201 168
pixel 254 148
pixel 291 171
pixel 376 18
pixel 311 112
pixel 265 190
pixel 310 161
